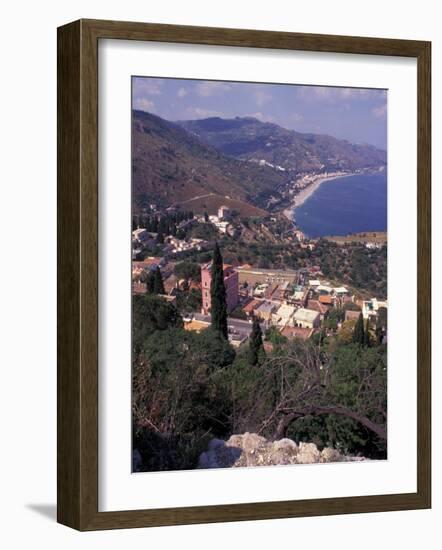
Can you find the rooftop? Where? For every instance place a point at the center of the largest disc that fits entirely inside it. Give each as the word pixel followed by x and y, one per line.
pixel 298 295
pixel 304 314
pixel 324 288
pixel 148 262
pixel 266 307
pixel 247 267
pixel 285 311
pixel 296 332
pixel 341 290
pixel 250 306
pixel 315 305
pixel 227 268
pixel 196 325
pixel 139 231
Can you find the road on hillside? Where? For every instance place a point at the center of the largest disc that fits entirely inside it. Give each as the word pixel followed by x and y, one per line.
pixel 198 197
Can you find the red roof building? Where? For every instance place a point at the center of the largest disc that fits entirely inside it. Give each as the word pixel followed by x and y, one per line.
pixel 316 305
pixel 250 307
pixel 326 299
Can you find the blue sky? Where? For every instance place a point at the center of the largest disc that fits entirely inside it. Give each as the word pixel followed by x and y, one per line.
pixel 356 114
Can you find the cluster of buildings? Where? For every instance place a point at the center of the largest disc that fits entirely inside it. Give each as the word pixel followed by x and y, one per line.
pixel 222 221
pixel 293 302
pixel 263 162
pixel 307 179
pixel 175 246
pixel 142 239
pixel 372 245
pixel 289 301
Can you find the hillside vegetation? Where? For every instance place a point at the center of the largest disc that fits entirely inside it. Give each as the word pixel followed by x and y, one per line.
pixel 171 166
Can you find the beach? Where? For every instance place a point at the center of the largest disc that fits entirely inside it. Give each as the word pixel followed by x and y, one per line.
pixel 308 191
pixel 347 205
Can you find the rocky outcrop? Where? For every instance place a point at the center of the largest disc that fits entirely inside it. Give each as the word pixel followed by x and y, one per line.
pixel 251 449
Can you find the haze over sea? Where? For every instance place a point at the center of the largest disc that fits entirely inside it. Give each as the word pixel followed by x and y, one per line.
pixel 345 205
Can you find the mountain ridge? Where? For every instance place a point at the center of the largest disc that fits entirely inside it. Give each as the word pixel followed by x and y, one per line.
pixel 248 138
pixel 243 163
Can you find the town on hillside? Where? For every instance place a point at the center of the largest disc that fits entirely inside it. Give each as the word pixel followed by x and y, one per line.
pixel 172 258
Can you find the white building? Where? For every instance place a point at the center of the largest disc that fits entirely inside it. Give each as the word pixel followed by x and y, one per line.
pixel 373 245
pixel 259 290
pixel 324 288
pixel 179 245
pixel 223 212
pixel 340 290
pixel 221 226
pixel 306 318
pixel 298 295
pixel 284 315
pixel 370 307
pixel 140 235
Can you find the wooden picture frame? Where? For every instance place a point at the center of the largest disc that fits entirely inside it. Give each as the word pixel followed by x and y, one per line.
pixel 78 274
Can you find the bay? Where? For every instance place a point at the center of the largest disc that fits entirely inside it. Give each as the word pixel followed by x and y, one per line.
pixel 351 204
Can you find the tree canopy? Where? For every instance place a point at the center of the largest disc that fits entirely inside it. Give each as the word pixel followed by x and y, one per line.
pixel 358 331
pixel 179 398
pixel 189 387
pixel 158 285
pixel 151 313
pixel 188 270
pixel 348 384
pixel 256 347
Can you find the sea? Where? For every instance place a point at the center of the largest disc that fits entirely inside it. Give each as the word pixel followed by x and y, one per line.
pixel 351 204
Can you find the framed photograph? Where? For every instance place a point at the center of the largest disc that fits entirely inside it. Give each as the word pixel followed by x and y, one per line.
pixel 243 275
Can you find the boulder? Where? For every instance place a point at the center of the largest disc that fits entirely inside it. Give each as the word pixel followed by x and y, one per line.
pixel 331 455
pixel 284 451
pixel 308 453
pixel 251 449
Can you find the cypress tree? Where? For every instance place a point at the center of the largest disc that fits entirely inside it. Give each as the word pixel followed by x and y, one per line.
pixel 218 294
pixel 150 282
pixel 255 344
pixel 379 332
pixel 367 339
pixel 358 331
pixel 162 225
pixel 158 285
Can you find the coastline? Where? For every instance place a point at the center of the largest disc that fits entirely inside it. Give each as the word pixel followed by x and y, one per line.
pixel 308 191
